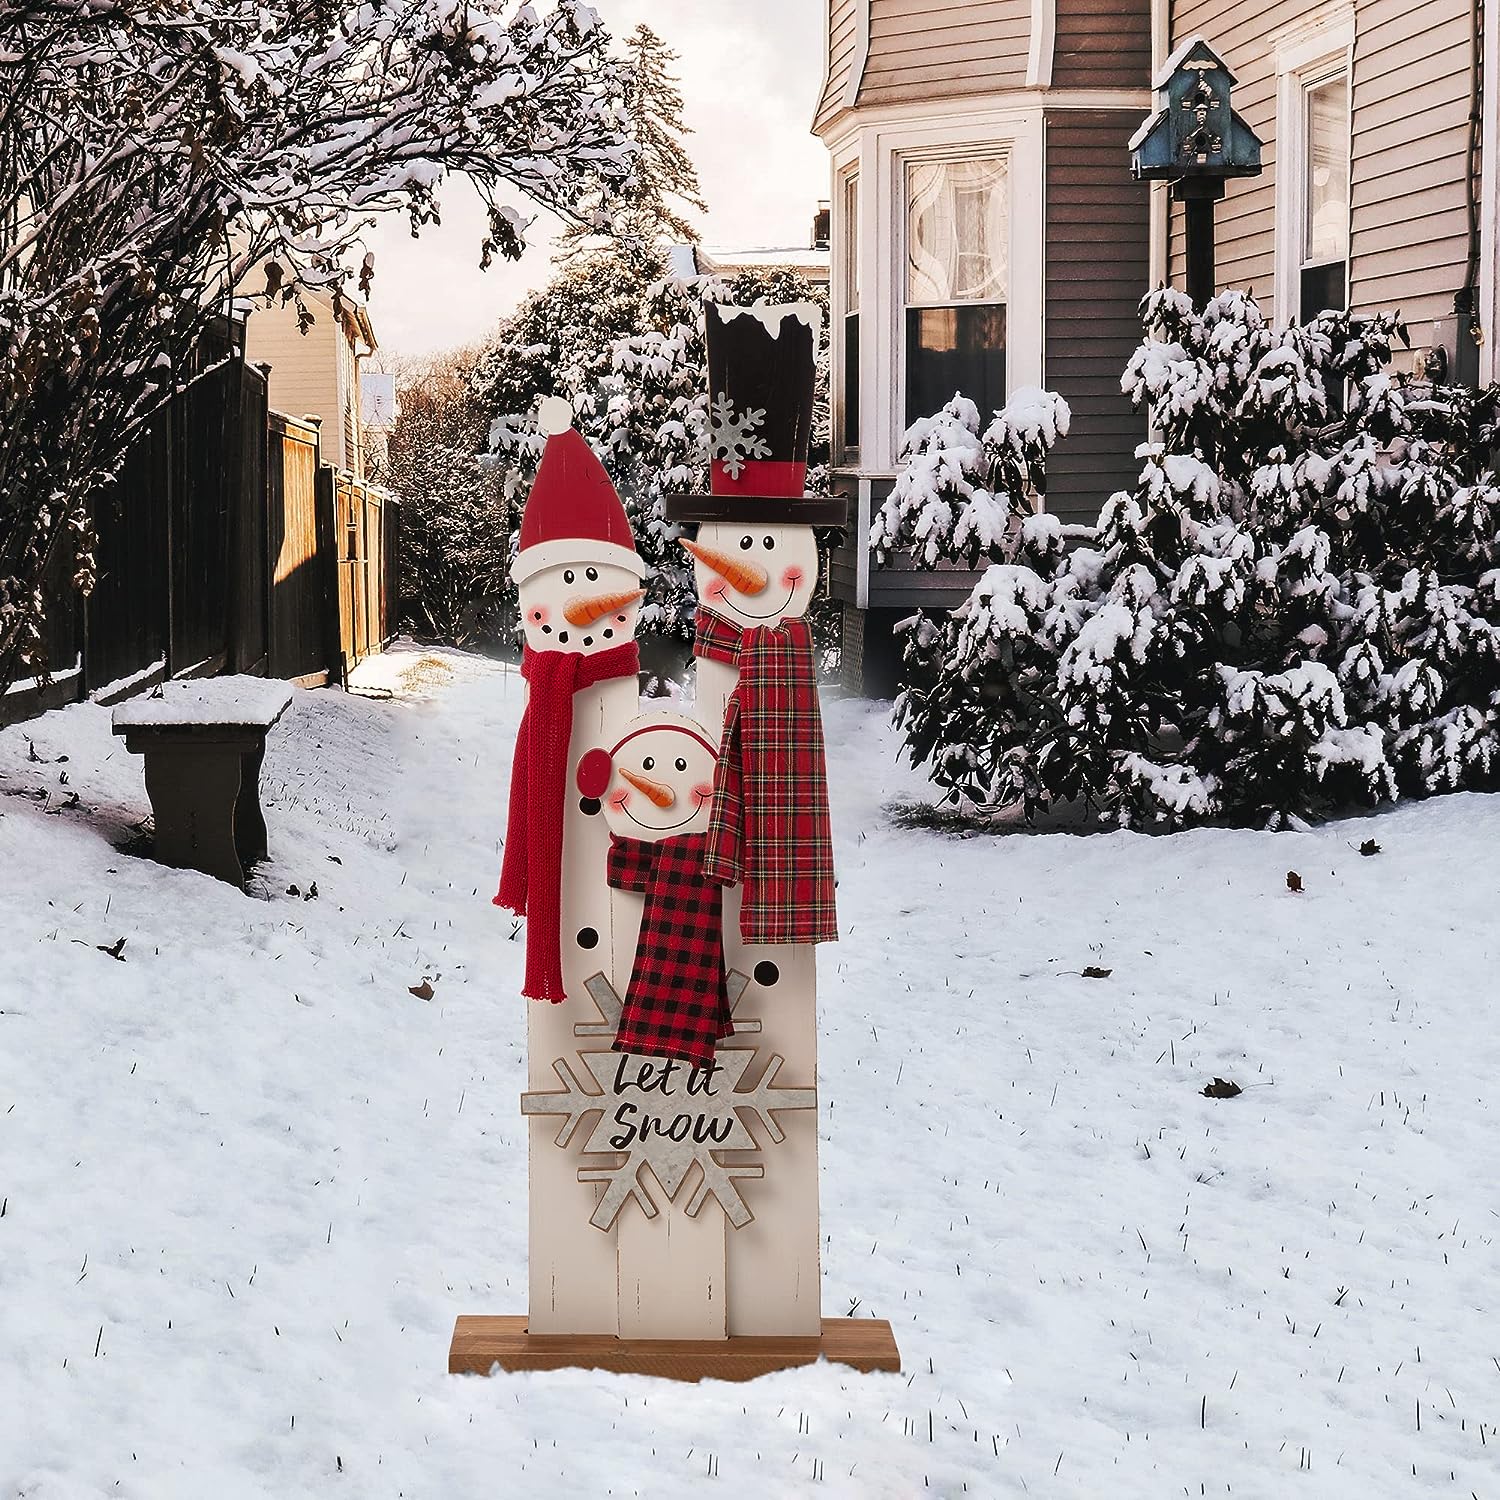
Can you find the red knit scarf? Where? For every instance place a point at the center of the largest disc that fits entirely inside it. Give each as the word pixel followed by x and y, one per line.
pixel 768 827
pixel 531 874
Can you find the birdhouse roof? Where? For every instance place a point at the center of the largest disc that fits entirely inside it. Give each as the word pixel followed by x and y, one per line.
pixel 1184 51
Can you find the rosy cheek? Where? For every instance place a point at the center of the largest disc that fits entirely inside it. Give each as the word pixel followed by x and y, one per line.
pixel 618 800
pixel 704 791
pixel 717 589
pixel 538 616
pixel 791 578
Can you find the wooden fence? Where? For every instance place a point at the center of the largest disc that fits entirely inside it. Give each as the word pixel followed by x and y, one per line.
pixel 224 545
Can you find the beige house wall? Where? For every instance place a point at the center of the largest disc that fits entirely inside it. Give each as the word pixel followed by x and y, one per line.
pixel 313 374
pixel 917 48
pixel 1409 83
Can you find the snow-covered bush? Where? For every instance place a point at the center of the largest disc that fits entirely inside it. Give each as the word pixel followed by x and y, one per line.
pixel 1295 610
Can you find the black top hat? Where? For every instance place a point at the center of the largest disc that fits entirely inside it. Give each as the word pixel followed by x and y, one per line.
pixel 760 389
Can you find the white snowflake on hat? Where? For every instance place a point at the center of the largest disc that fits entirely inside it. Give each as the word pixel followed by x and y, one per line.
pixel 734 439
pixel 577 571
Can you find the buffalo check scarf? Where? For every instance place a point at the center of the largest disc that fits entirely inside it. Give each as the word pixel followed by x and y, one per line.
pixel 768 827
pixel 531 872
pixel 676 1004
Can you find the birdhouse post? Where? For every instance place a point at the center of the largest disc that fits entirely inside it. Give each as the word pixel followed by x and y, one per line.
pixel 1195 141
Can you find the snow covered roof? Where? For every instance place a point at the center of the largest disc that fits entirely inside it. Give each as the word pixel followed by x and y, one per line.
pixel 207 701
pixel 1177 58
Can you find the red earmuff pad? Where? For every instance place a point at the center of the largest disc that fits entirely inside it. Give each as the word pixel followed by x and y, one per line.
pixel 594 771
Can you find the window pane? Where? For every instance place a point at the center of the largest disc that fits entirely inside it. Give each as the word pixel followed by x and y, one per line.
pixel 952 349
pixel 1322 289
pixel 851 381
pixel 1327 229
pixel 851 243
pixel 956 231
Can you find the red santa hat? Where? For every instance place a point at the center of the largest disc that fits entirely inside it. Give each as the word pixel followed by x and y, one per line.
pixel 573 514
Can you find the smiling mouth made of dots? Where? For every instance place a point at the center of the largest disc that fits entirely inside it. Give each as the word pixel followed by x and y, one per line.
pixel 607 633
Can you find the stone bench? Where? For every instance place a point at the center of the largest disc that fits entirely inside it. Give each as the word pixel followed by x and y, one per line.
pixel 203 742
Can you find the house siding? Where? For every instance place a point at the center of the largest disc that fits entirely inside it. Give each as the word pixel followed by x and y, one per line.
pixel 921 50
pixel 1408 215
pixel 1102 44
pixel 843 23
pixel 1410 106
pixel 306 368
pixel 1098 254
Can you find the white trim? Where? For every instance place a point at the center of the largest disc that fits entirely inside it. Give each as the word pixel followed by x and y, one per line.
pixel 975 111
pixel 1161 34
pixel 1159 209
pixel 1042 42
pixel 861 53
pixel 1487 309
pixel 574 549
pixel 862 545
pixel 1321 46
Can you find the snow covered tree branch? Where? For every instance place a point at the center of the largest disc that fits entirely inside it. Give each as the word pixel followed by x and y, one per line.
pixel 155 162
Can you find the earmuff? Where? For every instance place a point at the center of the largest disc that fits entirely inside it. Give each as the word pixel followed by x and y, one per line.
pixel 596 766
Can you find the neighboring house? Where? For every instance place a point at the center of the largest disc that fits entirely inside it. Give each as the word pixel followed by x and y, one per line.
pixel 379 410
pixel 986 234
pixel 810 260
pixel 317 373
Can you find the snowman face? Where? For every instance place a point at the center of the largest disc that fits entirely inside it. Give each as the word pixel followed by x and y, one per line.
pixel 774 574
pixel 580 607
pixel 661 783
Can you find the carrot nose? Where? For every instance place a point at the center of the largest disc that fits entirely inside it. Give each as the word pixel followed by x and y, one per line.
pixel 742 577
pixel 658 791
pixel 584 609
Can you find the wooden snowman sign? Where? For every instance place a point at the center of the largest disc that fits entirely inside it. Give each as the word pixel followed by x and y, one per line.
pixel 676 874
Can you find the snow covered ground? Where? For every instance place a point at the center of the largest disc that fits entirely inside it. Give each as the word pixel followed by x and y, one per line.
pixel 247 1179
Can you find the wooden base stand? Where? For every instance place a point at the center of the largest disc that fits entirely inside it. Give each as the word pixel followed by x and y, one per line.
pixel 479 1344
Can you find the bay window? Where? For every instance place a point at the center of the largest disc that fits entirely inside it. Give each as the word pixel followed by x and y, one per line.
pixel 849 354
pixel 1324 256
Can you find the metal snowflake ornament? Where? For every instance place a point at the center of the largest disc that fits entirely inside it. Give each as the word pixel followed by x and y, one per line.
pixel 733 439
pixel 669 1116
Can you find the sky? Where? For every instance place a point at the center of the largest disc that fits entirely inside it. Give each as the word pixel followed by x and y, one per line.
pixel 750 78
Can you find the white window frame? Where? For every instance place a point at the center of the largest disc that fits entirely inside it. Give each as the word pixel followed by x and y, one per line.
pixel 1312 54
pixel 1487 309
pixel 846 274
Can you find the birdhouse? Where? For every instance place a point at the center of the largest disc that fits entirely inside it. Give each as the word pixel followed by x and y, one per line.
pixel 1194 132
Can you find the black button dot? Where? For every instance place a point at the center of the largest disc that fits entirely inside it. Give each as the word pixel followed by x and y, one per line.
pixel 587 938
pixel 588 806
pixel 766 973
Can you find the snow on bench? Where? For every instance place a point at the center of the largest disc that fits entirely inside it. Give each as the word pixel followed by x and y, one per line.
pixel 209 702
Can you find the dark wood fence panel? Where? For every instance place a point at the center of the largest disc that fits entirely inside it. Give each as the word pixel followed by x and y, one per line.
pixel 300 566
pixel 250 601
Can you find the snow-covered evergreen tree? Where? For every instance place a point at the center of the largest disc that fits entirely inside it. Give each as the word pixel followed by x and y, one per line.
pixel 663 188
pixel 153 156
pixel 1293 611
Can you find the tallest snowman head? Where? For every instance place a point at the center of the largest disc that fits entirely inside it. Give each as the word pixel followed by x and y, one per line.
pixel 577 572
pixel 755 554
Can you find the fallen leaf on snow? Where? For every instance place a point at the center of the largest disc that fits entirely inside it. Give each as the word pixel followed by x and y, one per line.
pixel 1221 1088
pixel 1093 972
pixel 423 991
pixel 1293 881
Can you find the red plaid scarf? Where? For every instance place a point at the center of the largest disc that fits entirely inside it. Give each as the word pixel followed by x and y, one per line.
pixel 531 873
pixel 676 1004
pixel 769 828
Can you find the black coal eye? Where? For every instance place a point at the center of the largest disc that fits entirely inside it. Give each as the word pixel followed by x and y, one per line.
pixel 592 574
pixel 567 575
pixel 770 542
pixel 649 763
pixel 680 763
pixel 746 543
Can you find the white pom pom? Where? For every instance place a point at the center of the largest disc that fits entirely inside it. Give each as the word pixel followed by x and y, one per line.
pixel 554 415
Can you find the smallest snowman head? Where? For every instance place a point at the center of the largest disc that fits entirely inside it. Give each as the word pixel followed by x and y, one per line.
pixel 658 780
